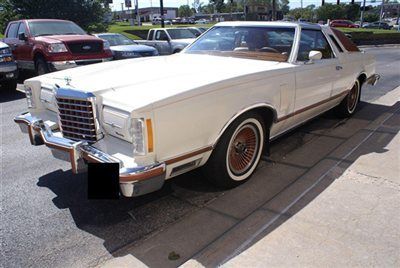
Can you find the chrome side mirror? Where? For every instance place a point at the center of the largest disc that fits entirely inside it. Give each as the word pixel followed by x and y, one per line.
pixel 313 55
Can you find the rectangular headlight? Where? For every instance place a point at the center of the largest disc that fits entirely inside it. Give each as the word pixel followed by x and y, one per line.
pixel 136 131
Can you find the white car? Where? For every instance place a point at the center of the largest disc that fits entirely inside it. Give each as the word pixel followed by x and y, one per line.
pixel 216 105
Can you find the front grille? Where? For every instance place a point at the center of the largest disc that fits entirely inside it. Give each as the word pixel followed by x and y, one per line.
pixel 77 119
pixel 85 47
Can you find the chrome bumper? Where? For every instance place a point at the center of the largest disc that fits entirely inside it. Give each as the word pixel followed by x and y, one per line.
pixel 134 181
pixel 373 79
pixel 62 65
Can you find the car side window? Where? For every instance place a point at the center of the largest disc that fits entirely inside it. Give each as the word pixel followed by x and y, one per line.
pixel 313 40
pixel 161 35
pixel 12 30
pixel 151 34
pixel 21 29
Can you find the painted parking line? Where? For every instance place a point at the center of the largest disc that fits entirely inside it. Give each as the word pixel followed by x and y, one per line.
pixel 20 88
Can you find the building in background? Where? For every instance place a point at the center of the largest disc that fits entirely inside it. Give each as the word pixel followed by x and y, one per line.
pixel 147 13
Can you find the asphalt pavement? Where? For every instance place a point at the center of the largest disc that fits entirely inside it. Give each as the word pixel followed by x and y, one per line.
pixel 47 221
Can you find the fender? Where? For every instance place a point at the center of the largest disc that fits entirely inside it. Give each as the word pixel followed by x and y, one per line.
pixel 242 111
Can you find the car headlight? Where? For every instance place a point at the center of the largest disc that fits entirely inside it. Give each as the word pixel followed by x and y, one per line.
pixel 136 131
pixel 106 45
pixel 57 48
pixel 5 51
pixel 29 100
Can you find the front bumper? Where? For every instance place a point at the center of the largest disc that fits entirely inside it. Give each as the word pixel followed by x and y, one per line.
pixel 8 71
pixel 62 65
pixel 134 181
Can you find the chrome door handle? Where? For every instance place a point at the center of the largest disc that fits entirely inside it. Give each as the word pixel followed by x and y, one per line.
pixel 338 68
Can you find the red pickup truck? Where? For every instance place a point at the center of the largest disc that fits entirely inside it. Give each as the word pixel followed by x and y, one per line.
pixel 45 45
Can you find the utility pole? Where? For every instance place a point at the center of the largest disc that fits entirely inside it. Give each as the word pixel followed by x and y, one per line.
pixel 381 13
pixel 274 9
pixel 337 2
pixel 323 2
pixel 162 13
pixel 362 14
pixel 301 3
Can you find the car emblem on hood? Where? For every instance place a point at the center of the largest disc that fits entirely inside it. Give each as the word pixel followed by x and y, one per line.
pixel 67 80
pixel 86 47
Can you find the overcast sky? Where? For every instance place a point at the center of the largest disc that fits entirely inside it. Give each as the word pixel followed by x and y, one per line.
pixel 176 3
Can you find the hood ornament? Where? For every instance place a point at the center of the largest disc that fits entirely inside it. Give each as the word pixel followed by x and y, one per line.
pixel 68 80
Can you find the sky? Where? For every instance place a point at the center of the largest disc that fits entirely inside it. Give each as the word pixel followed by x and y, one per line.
pixel 176 3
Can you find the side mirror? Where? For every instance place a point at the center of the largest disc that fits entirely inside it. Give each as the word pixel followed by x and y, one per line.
pixel 22 37
pixel 314 55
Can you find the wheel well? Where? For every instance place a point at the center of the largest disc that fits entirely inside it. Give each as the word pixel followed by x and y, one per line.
pixel 177 50
pixel 362 78
pixel 267 114
pixel 38 55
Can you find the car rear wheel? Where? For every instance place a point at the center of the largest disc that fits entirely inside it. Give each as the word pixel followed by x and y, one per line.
pixel 349 104
pixel 238 152
pixel 41 66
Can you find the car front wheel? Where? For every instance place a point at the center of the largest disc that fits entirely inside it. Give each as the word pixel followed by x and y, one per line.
pixel 238 152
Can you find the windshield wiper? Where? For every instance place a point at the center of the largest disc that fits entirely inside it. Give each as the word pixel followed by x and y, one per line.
pixel 43 34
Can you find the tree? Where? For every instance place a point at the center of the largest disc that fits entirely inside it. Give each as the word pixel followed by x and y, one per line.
pixel 303 13
pixel 218 4
pixel 7 14
pixel 352 12
pixel 185 11
pixel 89 14
pixel 197 5
pixel 330 11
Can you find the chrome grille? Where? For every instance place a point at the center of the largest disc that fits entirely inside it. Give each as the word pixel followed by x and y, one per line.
pixel 77 119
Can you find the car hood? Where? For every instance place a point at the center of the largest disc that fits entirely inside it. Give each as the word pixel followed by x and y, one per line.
pixel 66 38
pixel 133 48
pixel 137 83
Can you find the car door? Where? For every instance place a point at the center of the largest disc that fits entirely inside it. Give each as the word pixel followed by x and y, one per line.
pixel 162 44
pixel 24 47
pixel 314 79
pixel 11 38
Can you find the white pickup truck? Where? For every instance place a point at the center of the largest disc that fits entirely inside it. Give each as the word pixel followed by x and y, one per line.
pixel 168 40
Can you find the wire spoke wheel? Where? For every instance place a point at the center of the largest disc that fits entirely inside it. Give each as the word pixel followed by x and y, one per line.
pixel 352 98
pixel 243 149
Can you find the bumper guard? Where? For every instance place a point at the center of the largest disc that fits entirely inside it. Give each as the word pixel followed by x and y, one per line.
pixel 134 181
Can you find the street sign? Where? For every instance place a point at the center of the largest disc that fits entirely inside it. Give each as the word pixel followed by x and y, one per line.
pixel 128 3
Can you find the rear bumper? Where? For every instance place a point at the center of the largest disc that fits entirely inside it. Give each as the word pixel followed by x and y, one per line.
pixel 373 79
pixel 134 181
pixel 62 65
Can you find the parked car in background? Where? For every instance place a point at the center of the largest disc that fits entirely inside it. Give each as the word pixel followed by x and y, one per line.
pixel 343 23
pixel 169 40
pixel 377 25
pixel 8 68
pixel 215 105
pixel 202 21
pixel 44 45
pixel 157 21
pixel 124 48
pixel 196 31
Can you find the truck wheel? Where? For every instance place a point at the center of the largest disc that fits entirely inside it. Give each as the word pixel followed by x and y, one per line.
pixel 176 51
pixel 9 84
pixel 237 153
pixel 349 104
pixel 41 66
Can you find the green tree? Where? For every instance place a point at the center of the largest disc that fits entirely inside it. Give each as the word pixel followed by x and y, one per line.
pixel 185 11
pixel 330 11
pixel 89 14
pixel 303 13
pixel 7 14
pixel 352 12
pixel 218 4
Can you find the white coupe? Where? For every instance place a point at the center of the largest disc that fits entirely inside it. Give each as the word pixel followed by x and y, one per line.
pixel 215 105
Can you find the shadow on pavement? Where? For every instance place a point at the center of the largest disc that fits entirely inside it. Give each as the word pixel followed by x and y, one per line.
pixel 196 218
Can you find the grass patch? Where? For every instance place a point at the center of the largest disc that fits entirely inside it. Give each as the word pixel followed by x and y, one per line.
pixel 362 30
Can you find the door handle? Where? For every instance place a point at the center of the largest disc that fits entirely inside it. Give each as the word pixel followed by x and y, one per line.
pixel 338 68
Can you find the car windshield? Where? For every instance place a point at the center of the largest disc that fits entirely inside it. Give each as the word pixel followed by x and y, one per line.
pixel 117 39
pixel 180 33
pixel 259 43
pixel 40 28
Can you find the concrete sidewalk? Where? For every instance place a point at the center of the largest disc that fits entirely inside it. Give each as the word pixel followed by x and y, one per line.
pixel 334 201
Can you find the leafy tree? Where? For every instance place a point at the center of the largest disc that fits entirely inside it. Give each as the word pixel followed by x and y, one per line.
pixel 303 13
pixel 7 14
pixel 185 11
pixel 89 14
pixel 218 4
pixel 352 12
pixel 197 5
pixel 330 11
pixel 371 17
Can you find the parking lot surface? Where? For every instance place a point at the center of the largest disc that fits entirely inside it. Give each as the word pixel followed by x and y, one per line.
pixel 47 221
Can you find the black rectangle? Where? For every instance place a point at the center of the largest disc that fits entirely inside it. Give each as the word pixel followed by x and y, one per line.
pixel 103 180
